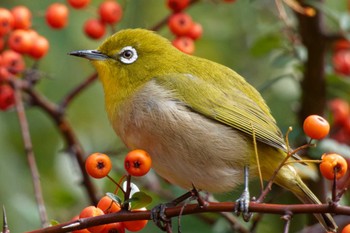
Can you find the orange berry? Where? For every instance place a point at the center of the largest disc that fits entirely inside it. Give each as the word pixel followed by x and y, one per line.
pixel 116 227
pixel 180 24
pixel 78 4
pixel 94 28
pixel 316 127
pixel 110 12
pixel 12 61
pixel 346 229
pixel 7 98
pixel 39 48
pixel 57 15
pixel 20 41
pixel 79 231
pixel 98 165
pixel 6 21
pixel 184 44
pixel 333 164
pixel 22 17
pixel 107 205
pixel 137 162
pixel 92 211
pixel 178 5
pixel 340 110
pixel 196 31
pixel 135 225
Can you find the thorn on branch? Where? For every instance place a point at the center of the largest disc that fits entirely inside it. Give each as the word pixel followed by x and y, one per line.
pixel 5 227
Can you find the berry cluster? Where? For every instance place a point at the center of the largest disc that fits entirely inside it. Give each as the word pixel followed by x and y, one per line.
pixel 181 24
pixel 109 11
pixel 341 57
pixel 340 114
pixel 98 165
pixel 17 39
pixel 332 166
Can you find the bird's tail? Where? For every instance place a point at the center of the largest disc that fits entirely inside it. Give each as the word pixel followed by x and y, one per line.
pixel 301 191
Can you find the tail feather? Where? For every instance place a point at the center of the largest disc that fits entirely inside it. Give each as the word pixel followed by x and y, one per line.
pixel 307 196
pixel 300 190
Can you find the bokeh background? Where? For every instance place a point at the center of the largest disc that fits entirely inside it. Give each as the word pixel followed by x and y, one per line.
pixel 246 36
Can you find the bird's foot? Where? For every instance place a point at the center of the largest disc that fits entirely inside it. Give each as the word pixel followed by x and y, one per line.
pixel 159 217
pixel 242 206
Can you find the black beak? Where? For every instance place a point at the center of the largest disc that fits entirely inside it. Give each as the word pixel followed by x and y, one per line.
pixel 90 54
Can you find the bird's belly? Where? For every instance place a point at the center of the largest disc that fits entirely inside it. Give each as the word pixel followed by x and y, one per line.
pixel 186 147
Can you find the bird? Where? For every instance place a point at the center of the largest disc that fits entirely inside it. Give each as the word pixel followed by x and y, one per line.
pixel 200 121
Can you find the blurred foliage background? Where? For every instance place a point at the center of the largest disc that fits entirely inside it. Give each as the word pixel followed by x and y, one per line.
pixel 246 36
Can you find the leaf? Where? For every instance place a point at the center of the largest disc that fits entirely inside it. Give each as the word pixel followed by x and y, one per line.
pixel 338 86
pixel 54 222
pixel 266 44
pixel 114 197
pixel 139 200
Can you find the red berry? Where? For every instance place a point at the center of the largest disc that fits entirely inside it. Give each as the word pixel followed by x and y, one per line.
pixel 2 43
pixel 7 97
pixel 116 227
pixel 333 164
pixel 341 45
pixel 137 162
pixel 180 24
pixel 110 12
pixel 178 5
pixel 135 225
pixel 13 61
pixel 57 15
pixel 92 211
pixel 94 28
pixel 316 127
pixel 20 41
pixel 340 110
pixel 346 229
pixel 22 17
pixel 78 4
pixel 196 31
pixel 39 48
pixel 341 62
pixel 6 21
pixel 184 44
pixel 98 165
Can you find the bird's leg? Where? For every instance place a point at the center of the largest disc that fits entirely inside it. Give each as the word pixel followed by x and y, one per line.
pixel 202 202
pixel 158 212
pixel 242 203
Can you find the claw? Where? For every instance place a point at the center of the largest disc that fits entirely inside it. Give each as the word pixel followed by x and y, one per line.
pixel 242 203
pixel 159 217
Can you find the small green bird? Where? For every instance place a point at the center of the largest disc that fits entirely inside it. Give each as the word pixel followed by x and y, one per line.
pixel 196 118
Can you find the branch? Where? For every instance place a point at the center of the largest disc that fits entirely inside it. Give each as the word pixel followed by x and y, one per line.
pixel 65 129
pixel 280 209
pixel 28 147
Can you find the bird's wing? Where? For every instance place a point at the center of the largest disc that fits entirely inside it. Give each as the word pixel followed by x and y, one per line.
pixel 230 107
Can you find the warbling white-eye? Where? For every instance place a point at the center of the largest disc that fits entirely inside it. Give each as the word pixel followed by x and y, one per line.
pixel 196 118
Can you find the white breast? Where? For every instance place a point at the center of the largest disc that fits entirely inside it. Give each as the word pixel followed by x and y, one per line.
pixel 186 147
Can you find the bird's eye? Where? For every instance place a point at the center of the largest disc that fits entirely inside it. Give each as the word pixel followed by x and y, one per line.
pixel 128 55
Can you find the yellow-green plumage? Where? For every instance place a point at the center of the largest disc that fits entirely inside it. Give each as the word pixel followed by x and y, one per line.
pixel 195 117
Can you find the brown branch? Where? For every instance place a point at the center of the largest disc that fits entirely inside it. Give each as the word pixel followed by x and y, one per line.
pixel 28 147
pixel 279 209
pixel 70 96
pixel 66 130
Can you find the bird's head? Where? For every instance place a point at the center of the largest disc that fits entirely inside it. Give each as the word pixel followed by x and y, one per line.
pixel 131 57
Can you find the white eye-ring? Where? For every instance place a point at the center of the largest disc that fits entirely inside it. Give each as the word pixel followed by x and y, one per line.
pixel 128 55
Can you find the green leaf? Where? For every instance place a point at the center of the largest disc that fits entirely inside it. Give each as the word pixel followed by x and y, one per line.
pixel 139 200
pixel 338 86
pixel 114 197
pixel 54 222
pixel 266 44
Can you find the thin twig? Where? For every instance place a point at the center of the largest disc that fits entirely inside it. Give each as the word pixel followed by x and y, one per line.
pixel 77 90
pixel 67 132
pixel 5 227
pixel 28 147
